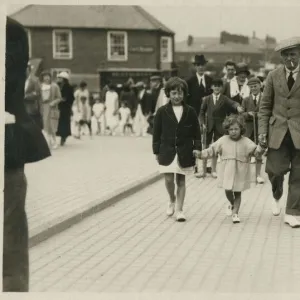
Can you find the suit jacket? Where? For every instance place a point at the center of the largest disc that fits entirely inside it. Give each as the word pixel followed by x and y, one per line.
pixel 145 102
pixel 171 137
pixel 24 141
pixel 196 94
pixel 279 109
pixel 216 114
pixel 249 106
pixel 33 96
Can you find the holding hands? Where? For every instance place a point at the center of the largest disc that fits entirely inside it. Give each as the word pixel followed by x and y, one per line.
pixel 240 109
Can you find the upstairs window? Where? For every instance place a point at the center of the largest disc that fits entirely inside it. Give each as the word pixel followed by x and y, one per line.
pixel 62 44
pixel 117 46
pixel 166 53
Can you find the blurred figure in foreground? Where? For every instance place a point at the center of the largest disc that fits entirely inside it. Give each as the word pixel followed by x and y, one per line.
pixel 24 143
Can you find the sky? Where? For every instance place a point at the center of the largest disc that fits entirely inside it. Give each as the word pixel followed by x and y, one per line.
pixel 278 18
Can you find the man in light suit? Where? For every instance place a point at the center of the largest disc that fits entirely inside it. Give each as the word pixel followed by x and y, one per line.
pixel 279 129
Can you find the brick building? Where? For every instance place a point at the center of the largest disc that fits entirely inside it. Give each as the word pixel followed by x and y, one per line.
pixel 97 43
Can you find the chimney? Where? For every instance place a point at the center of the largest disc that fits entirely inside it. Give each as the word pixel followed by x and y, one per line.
pixel 190 40
pixel 254 35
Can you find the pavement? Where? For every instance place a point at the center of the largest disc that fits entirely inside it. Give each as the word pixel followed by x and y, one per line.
pixel 84 177
pixel 134 247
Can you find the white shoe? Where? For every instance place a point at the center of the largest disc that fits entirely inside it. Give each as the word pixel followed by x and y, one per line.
pixel 180 217
pixel 55 146
pixel 200 175
pixel 253 160
pixel 292 221
pixel 260 180
pixel 214 175
pixel 235 219
pixel 171 209
pixel 229 210
pixel 276 209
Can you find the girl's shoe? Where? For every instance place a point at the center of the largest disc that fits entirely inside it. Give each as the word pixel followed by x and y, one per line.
pixel 171 209
pixel 260 180
pixel 180 217
pixel 214 175
pixel 235 218
pixel 229 210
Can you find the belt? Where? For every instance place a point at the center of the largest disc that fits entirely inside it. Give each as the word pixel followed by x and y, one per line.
pixel 9 118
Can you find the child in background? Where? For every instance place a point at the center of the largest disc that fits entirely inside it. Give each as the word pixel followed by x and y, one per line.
pixel 234 171
pixel 99 115
pixel 125 115
pixel 85 114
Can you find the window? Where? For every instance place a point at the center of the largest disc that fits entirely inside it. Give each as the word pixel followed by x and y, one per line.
pixel 117 46
pixel 166 52
pixel 29 42
pixel 62 44
pixel 56 71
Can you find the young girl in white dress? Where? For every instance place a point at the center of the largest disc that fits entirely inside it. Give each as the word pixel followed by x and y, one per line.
pixel 234 171
pixel 176 133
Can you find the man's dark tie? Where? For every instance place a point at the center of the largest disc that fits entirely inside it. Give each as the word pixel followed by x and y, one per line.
pixel 255 101
pixel 290 81
pixel 201 84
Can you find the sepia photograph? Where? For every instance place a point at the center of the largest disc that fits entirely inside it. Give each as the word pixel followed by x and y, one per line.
pixel 152 148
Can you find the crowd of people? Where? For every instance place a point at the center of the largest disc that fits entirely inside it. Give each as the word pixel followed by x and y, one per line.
pixel 234 120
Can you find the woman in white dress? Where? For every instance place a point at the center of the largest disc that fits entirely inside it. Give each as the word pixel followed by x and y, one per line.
pixel 176 134
pixel 112 107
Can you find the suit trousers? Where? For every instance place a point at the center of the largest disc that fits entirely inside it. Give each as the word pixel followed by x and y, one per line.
pixel 15 271
pixel 213 135
pixel 280 162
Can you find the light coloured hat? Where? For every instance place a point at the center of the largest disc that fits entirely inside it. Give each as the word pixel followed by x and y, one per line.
pixel 288 44
pixel 64 75
pixel 254 80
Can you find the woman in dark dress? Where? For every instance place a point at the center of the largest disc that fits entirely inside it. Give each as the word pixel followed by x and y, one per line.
pixel 65 107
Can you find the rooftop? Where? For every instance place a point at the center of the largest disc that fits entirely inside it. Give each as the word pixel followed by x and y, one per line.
pixel 212 44
pixel 89 16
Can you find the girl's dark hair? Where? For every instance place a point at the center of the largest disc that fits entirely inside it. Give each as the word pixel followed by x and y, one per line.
pixel 174 83
pixel 112 86
pixel 234 119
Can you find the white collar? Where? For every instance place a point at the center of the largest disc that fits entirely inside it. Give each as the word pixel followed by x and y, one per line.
pixel 288 71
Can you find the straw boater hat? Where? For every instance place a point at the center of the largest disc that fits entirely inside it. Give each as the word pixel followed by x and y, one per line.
pixel 288 44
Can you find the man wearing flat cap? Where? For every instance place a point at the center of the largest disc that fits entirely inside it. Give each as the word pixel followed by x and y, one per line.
pixel 279 129
pixel 250 106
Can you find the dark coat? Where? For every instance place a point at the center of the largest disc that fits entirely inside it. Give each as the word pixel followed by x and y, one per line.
pixel 196 93
pixel 171 137
pixel 24 141
pixel 216 114
pixel 65 108
pixel 249 106
pixel 145 102
pixel 130 98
